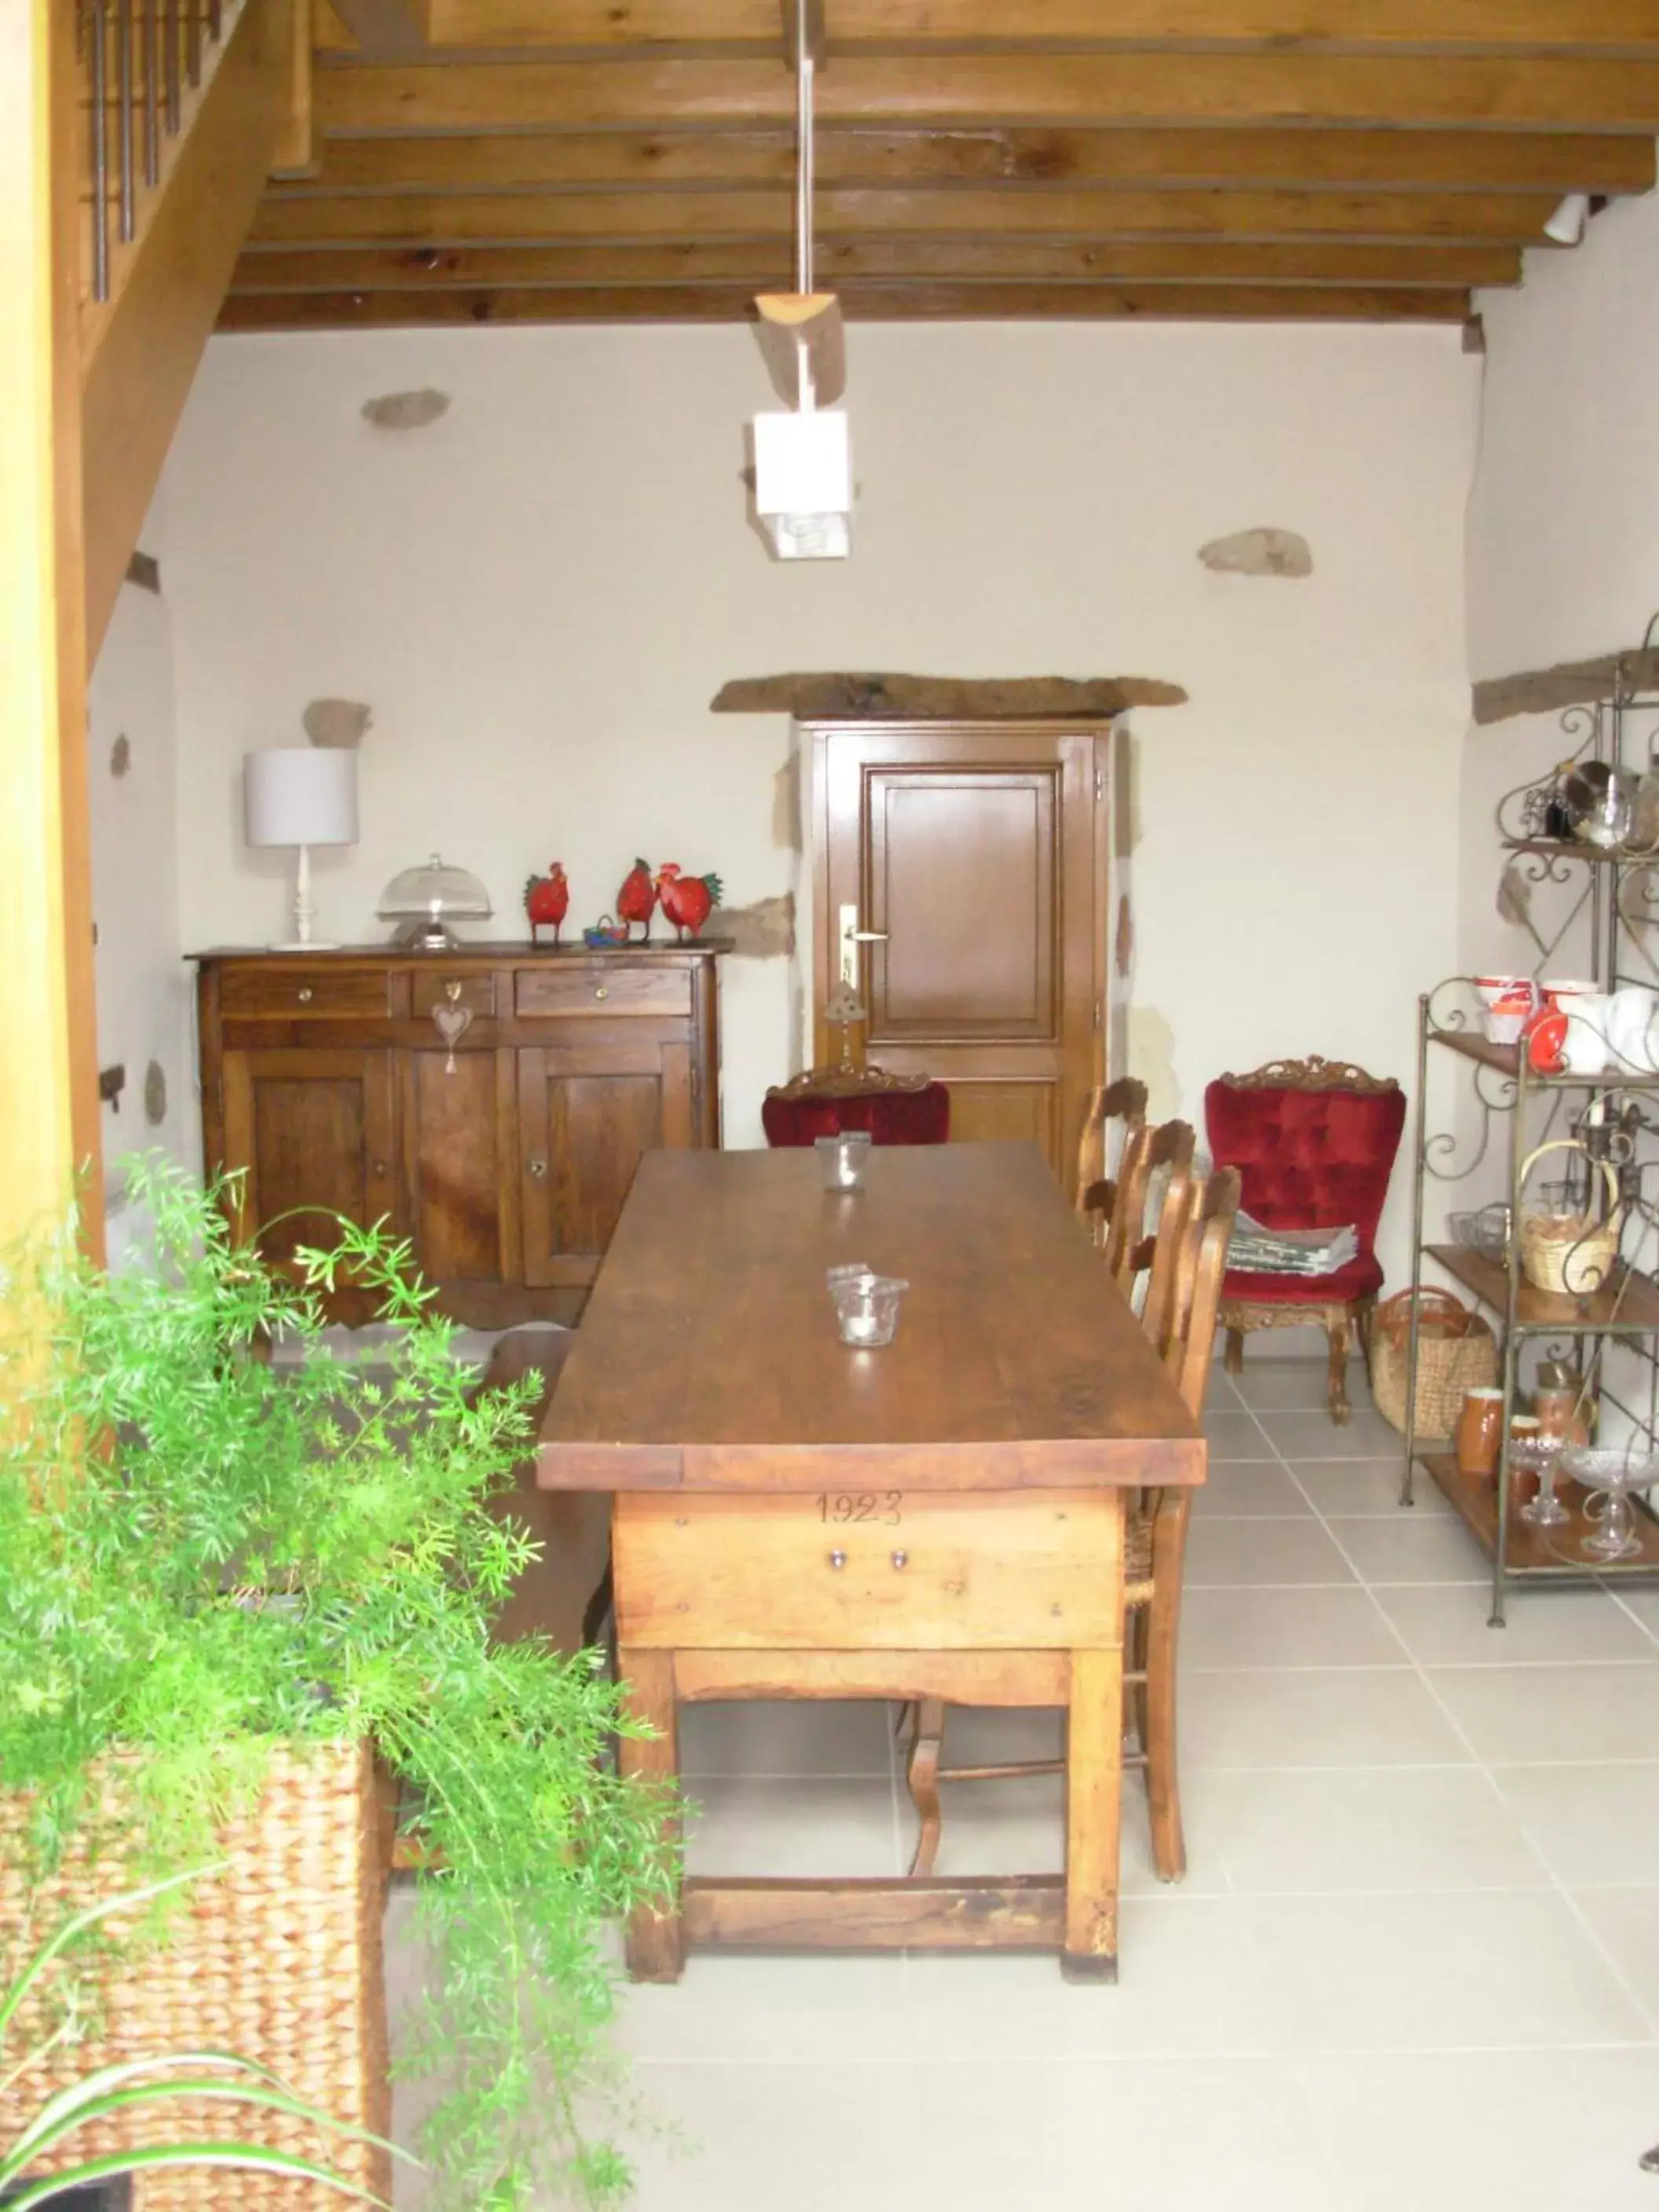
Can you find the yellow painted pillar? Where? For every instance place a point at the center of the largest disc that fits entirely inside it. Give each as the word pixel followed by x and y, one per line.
pixel 48 1031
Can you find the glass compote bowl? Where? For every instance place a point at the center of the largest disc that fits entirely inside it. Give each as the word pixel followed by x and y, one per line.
pixel 1609 1474
pixel 1543 1455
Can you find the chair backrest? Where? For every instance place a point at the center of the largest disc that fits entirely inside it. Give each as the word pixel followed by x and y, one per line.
pixel 917 1113
pixel 1129 1251
pixel 1313 1139
pixel 1189 1344
pixel 1094 1192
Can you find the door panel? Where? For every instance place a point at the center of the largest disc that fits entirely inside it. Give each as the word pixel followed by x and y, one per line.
pixel 587 1116
pixel 974 859
pixel 314 1130
pixel 955 860
pixel 455 1169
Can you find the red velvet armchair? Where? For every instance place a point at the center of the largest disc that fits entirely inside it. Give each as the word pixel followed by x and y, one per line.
pixel 1314 1141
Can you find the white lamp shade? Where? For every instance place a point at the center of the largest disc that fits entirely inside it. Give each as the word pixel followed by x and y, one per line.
pixel 301 795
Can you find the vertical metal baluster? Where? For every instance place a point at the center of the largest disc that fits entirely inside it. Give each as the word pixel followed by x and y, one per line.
pixel 99 154
pixel 152 94
pixel 124 124
pixel 193 39
pixel 170 47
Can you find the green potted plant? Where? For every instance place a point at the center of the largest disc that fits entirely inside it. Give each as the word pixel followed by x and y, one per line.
pixel 235 1591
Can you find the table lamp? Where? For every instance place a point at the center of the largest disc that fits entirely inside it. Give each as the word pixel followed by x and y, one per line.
pixel 298 795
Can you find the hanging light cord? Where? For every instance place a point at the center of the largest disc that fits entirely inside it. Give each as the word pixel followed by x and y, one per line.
pixel 803 67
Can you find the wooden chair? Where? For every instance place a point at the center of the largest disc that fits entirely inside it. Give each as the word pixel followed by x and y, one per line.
pixel 1196 1227
pixel 1314 1141
pixel 1094 1193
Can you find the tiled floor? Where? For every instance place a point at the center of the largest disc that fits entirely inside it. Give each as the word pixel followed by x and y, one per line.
pixel 1415 1963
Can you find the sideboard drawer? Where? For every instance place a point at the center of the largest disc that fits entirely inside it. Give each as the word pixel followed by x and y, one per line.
pixel 475 993
pixel 873 1569
pixel 598 988
pixel 292 994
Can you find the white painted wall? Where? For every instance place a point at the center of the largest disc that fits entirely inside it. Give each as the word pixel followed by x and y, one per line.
pixel 540 594
pixel 144 988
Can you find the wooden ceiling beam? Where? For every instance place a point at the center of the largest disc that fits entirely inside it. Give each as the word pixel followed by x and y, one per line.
pixel 1584 24
pixel 1141 86
pixel 1488 160
pixel 513 220
pixel 868 303
pixel 762 266
pixel 380 30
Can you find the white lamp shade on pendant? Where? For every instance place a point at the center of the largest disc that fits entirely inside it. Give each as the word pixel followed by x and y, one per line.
pixel 301 795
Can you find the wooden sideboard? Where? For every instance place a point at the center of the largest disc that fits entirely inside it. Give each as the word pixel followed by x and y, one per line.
pixel 492 1103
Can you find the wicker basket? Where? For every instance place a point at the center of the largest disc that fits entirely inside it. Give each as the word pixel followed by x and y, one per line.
pixel 1456 1351
pixel 1570 1254
pixel 277 1959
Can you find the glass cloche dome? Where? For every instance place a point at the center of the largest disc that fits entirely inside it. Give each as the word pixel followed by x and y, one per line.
pixel 426 899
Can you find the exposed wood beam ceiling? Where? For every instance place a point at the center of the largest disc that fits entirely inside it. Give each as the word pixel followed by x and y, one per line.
pixel 541 160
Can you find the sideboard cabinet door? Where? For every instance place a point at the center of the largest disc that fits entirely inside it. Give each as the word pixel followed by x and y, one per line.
pixel 586 1114
pixel 315 1130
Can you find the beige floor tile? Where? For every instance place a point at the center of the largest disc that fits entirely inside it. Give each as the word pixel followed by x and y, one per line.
pixel 1128 2135
pixel 728 2008
pixel 1595 1826
pixel 1222 1554
pixel 1445 1625
pixel 1355 1716
pixel 1641 1603
pixel 1488 2131
pixel 776 1736
pixel 1265 1626
pixel 737 1826
pixel 1513 1716
pixel 1400 1828
pixel 824 2138
pixel 1249 1489
pixel 1362 1485
pixel 1190 1981
pixel 1294 1385
pixel 1626 1923
pixel 1412 1547
pixel 1472 1969
pixel 1307 1434
pixel 1234 1434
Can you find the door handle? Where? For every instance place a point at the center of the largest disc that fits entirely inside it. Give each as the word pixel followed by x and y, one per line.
pixel 851 938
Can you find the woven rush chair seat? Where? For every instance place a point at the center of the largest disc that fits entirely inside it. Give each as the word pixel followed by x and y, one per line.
pixel 1314 1141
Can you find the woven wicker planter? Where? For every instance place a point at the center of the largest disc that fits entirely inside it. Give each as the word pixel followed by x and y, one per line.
pixel 278 1958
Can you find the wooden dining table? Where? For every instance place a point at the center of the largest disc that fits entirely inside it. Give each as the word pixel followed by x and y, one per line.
pixel 942 1517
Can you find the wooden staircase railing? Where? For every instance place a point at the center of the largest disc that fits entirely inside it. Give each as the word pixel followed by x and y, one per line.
pixel 186 107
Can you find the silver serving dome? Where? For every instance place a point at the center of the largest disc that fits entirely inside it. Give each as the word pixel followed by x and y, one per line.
pixel 426 899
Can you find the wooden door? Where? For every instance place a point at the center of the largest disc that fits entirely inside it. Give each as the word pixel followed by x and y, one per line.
pixel 961 891
pixel 588 1112
pixel 315 1129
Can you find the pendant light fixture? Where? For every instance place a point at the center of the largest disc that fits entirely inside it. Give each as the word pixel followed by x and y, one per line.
pixel 803 460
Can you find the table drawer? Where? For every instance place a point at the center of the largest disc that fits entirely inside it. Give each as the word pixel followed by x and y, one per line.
pixel 476 993
pixel 304 993
pixel 878 1570
pixel 597 988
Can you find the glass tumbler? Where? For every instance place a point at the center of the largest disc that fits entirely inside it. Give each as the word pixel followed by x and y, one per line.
pixel 867 1304
pixel 843 1160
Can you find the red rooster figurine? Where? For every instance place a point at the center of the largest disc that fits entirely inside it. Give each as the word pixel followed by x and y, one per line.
pixel 547 899
pixel 686 900
pixel 637 897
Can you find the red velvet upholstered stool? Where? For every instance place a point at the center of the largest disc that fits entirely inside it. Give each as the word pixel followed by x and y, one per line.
pixel 1314 1141
pixel 897 1109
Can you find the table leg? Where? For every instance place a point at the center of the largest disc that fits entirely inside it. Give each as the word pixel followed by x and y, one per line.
pixel 656 1941
pixel 1094 1791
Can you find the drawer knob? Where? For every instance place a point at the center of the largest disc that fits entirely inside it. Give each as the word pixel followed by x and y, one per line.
pixel 452 993
pixel 305 994
pixel 602 991
pixel 901 1560
pixel 838 1559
